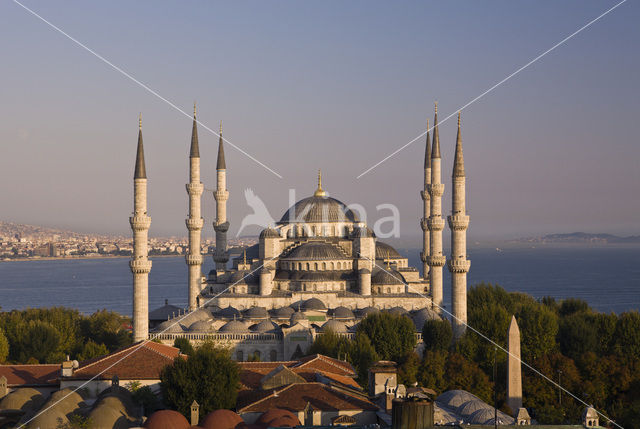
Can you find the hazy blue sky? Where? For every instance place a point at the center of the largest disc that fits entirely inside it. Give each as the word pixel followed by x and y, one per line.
pixel 331 85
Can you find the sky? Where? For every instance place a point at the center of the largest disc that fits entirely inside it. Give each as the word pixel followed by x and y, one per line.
pixel 337 86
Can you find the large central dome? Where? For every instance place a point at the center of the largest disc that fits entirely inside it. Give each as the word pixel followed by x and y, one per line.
pixel 319 209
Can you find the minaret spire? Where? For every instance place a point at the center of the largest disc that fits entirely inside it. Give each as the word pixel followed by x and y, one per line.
pixel 140 264
pixel 436 223
pixel 426 199
pixel 195 221
pixel 458 223
pixel 221 195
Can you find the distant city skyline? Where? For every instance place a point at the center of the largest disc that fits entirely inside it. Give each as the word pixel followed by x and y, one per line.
pixel 336 86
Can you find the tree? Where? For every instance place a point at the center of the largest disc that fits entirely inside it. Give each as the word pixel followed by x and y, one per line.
pixel 209 376
pixel 627 335
pixel 92 350
pixel 538 330
pixel 392 336
pixel 431 372
pixel 40 341
pixel 362 355
pixel 4 347
pixel 573 305
pixel 463 374
pixel 184 345
pixel 437 335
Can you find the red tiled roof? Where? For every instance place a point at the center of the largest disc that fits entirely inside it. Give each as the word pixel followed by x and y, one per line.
pixel 140 361
pixel 326 364
pixel 296 396
pixel 341 379
pixel 31 375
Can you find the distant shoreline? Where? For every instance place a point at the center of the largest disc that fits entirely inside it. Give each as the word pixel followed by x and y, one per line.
pixel 77 258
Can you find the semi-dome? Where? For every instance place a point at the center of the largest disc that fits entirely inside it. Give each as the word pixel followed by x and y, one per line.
pixel 166 419
pixel 282 312
pixel 386 251
pixel 314 304
pixel 335 326
pixel 318 209
pixel 269 233
pixel 387 277
pixel 419 317
pixel 296 317
pixel 201 326
pixel 256 313
pixel 233 327
pixel 397 311
pixel 264 326
pixel 362 232
pixel 316 250
pixel 222 419
pixel 343 313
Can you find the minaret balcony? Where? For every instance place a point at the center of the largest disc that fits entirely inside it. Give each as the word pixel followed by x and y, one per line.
pixel 194 224
pixel 140 266
pixel 424 257
pixel 140 222
pixel 194 259
pixel 220 257
pixel 458 222
pixel 459 265
pixel 436 189
pixel 436 224
pixel 195 189
pixel 221 227
pixel 425 195
pixel 437 260
pixel 221 195
pixel 424 224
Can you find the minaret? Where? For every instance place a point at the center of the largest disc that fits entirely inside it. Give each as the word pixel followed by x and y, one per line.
pixel 194 221
pixel 426 198
pixel 458 222
pixel 221 225
pixel 514 367
pixel 436 223
pixel 140 264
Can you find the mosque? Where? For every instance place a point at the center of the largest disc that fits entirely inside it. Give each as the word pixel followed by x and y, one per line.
pixel 319 268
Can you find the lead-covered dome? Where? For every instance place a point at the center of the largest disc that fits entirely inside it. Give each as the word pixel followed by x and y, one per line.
pixel 318 209
pixel 316 250
pixel 386 251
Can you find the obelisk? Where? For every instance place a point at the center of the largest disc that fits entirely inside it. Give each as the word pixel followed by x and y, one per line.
pixel 514 367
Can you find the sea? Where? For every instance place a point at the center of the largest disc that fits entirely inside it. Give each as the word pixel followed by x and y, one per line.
pixel 606 277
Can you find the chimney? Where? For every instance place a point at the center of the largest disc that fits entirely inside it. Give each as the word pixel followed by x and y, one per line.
pixel 195 413
pixel 3 387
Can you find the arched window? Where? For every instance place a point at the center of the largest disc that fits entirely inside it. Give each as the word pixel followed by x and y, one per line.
pixel 256 355
pixel 388 290
pixel 308 266
pixel 239 356
pixel 324 265
pixel 339 265
pixel 273 356
pixel 333 266
pixel 315 265
pixel 315 288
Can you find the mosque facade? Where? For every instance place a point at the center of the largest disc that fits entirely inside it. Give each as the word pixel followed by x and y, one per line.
pixel 319 268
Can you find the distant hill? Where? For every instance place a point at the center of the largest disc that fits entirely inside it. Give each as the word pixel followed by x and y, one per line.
pixel 580 238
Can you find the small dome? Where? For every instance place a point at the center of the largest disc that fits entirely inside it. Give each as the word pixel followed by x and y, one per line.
pixel 222 419
pixel 166 419
pixel 256 313
pixel 53 418
pixel 170 327
pixel 335 326
pixel 264 326
pixel 318 209
pixel 111 412
pixel 234 327
pixel 472 406
pixel 201 326
pixel 362 232
pixel 419 317
pixel 364 312
pixel 316 250
pixel 276 416
pixel 397 311
pixel 455 398
pixel 25 399
pixel 282 312
pixel 227 313
pixel 386 251
pixel 343 313
pixel 485 416
pixel 387 277
pixel 314 304
pixel 269 233
pixel 296 317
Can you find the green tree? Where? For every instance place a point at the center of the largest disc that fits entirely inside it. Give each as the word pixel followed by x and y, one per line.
pixel 573 305
pixel 431 372
pixel 361 355
pixel 538 330
pixel 461 373
pixel 41 341
pixel 209 376
pixel 627 335
pixel 184 345
pixel 437 335
pixel 4 347
pixel 392 336
pixel 92 350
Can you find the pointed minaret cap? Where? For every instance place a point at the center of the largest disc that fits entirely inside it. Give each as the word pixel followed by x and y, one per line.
pixel 319 192
pixel 458 162
pixel 195 147
pixel 221 163
pixel 435 149
pixel 513 327
pixel 140 171
pixel 427 151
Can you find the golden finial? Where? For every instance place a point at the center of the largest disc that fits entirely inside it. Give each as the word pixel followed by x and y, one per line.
pixel 244 256
pixel 220 126
pixel 436 107
pixel 194 109
pixel 319 192
pixel 458 119
pixel 140 120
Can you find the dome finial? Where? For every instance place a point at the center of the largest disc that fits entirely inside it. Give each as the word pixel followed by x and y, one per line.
pixel 221 127
pixel 194 109
pixel 319 192
pixel 140 121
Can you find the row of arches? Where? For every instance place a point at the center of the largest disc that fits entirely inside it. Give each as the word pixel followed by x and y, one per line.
pixel 316 266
